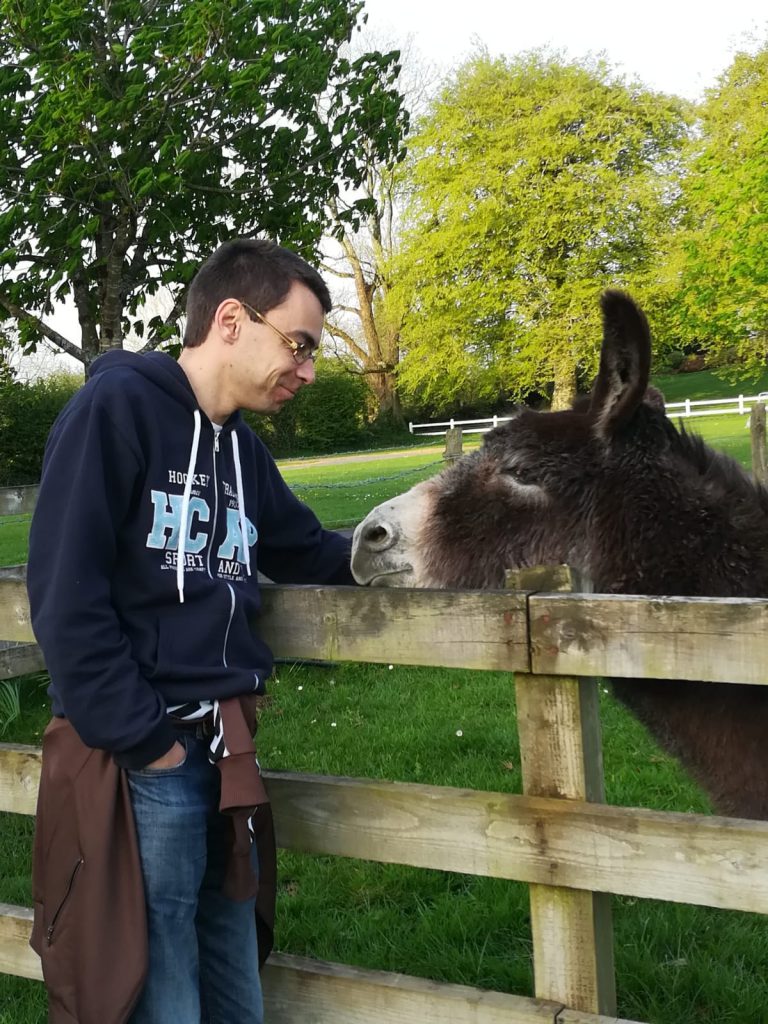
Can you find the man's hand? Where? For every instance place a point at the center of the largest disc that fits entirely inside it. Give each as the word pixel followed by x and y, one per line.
pixel 174 757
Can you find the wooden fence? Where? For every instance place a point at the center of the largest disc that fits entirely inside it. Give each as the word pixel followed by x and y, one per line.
pixel 16 501
pixel 572 849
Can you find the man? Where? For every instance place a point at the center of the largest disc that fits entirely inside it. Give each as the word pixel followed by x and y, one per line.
pixel 157 505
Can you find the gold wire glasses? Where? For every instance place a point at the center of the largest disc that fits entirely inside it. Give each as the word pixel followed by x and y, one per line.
pixel 302 350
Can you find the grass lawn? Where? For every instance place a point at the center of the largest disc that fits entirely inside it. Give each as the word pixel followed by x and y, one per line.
pixel 342 495
pixel 676 387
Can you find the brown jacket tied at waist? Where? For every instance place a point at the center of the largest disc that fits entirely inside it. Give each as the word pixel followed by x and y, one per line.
pixel 90 927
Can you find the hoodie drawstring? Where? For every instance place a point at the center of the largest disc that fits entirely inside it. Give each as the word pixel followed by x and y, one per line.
pixel 241 503
pixel 185 509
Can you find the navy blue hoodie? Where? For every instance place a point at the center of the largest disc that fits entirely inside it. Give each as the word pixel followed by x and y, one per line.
pixel 135 484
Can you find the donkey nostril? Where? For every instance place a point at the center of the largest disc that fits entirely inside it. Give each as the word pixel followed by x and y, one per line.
pixel 377 536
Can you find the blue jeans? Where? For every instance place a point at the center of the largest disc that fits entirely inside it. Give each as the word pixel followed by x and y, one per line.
pixel 203 954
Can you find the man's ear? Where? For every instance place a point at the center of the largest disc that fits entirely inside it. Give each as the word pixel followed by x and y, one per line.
pixel 228 319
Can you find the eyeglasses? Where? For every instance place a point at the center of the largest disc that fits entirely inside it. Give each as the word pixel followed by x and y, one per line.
pixel 302 351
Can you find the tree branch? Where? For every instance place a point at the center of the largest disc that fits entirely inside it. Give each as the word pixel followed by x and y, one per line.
pixel 48 332
pixel 349 341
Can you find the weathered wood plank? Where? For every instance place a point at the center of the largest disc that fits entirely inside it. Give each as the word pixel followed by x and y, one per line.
pixel 16 956
pixel 712 639
pixel 405 627
pixel 19 777
pixel 16 501
pixel 14 611
pixel 683 858
pixel 567 1016
pixel 558 723
pixel 318 992
pixel 13 572
pixel 20 661
pixel 757 436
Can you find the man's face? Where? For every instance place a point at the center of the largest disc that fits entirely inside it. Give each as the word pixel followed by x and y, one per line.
pixel 264 373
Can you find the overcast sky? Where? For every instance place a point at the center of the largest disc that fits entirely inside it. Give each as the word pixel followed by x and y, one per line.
pixel 677 46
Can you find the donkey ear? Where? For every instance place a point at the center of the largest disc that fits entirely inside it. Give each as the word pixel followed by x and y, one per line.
pixel 625 363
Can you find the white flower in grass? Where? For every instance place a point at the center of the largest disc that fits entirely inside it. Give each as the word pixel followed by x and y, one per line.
pixel 333 725
pixel 459 732
pixel 299 687
pixel 390 667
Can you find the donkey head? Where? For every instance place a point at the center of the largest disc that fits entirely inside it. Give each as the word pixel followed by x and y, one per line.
pixel 590 486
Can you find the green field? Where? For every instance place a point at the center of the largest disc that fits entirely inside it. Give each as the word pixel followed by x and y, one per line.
pixel 676 387
pixel 675 964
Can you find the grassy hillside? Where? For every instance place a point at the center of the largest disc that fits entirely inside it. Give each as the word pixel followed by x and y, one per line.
pixel 676 387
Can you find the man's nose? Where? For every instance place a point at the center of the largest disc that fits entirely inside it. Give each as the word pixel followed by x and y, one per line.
pixel 306 371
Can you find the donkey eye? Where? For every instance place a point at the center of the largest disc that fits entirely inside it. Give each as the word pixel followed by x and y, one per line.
pixel 520 474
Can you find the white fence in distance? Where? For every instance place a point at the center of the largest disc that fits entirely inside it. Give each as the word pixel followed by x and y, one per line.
pixel 742 406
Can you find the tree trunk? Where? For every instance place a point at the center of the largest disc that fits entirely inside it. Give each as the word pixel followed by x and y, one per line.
pixel 564 391
pixel 387 398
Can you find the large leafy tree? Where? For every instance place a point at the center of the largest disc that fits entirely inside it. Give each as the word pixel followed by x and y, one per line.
pixel 722 266
pixel 136 135
pixel 535 182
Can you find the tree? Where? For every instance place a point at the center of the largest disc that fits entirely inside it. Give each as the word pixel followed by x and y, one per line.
pixel 535 182
pixel 723 265
pixel 374 342
pixel 135 136
pixel 369 329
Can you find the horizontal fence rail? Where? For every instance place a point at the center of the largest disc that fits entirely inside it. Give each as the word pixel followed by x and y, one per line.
pixel 699 638
pixel 543 840
pixel 688 408
pixel 555 845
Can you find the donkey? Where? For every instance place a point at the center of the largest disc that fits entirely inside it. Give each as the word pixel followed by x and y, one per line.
pixel 615 490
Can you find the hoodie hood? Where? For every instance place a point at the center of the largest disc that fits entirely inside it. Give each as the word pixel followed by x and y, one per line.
pixel 158 367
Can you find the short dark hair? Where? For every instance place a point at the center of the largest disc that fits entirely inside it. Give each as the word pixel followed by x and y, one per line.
pixel 253 269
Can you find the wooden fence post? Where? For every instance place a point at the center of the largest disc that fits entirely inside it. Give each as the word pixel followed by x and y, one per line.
pixel 453 444
pixel 757 431
pixel 561 755
pixel 16 501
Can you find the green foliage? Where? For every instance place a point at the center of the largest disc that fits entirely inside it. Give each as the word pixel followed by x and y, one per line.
pixel 328 416
pixel 135 137
pixel 10 706
pixel 27 412
pixel 535 182
pixel 723 262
